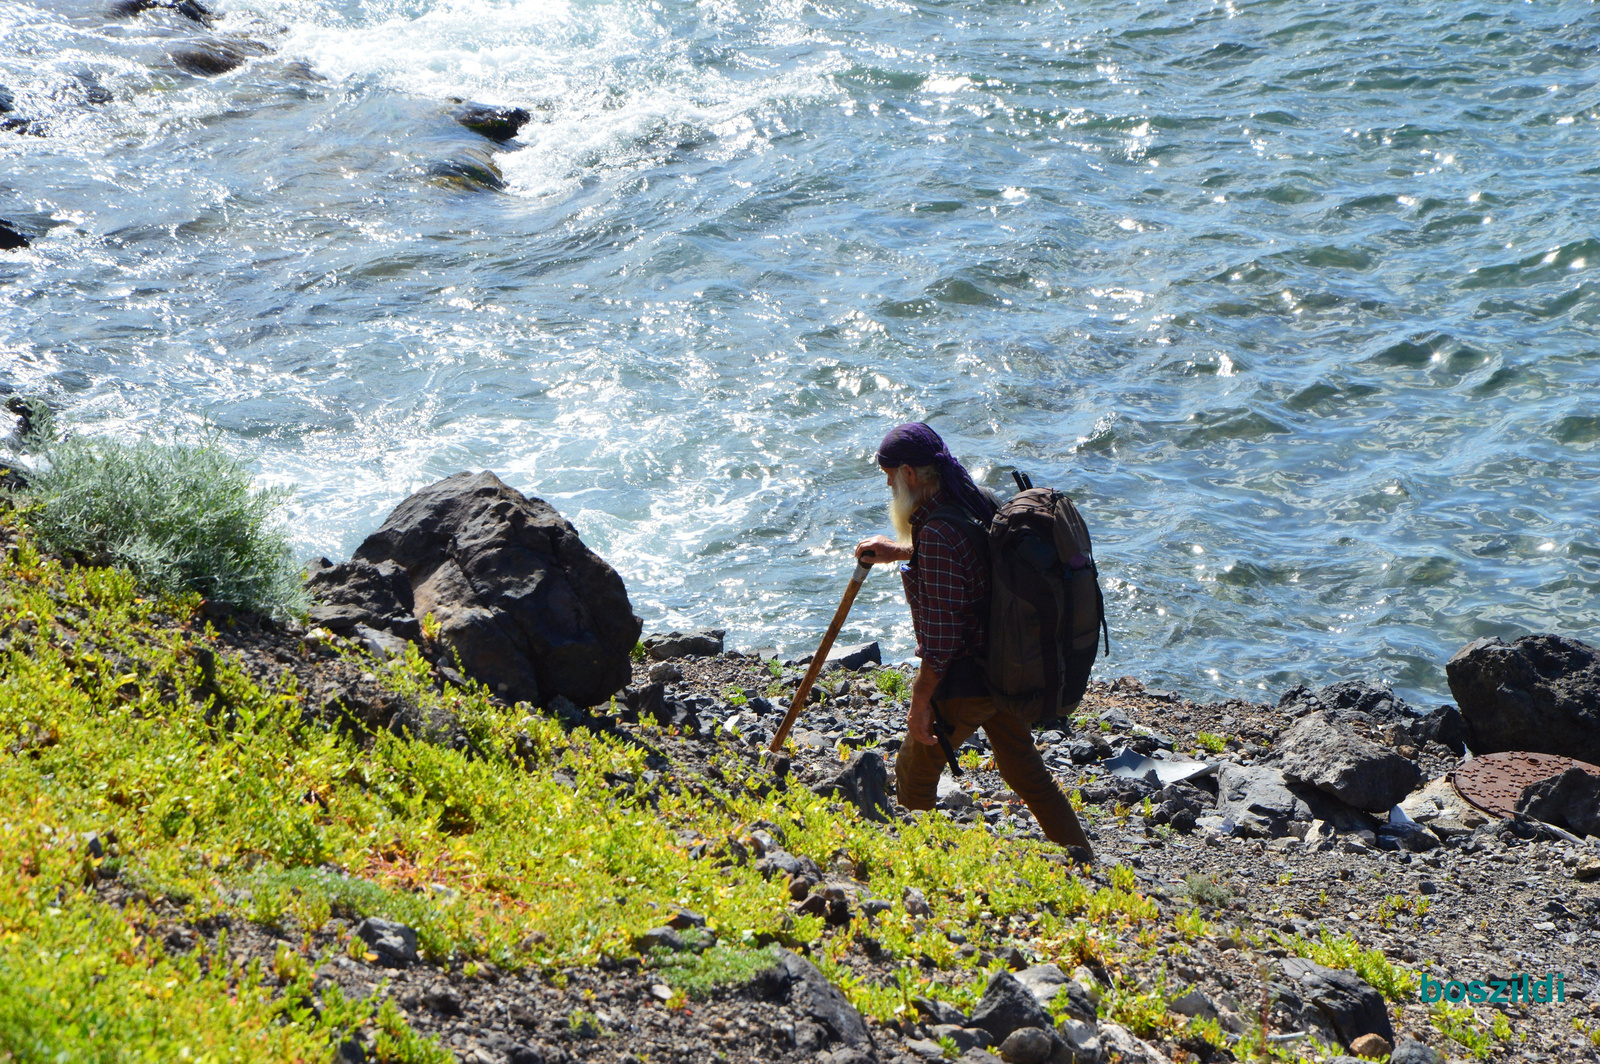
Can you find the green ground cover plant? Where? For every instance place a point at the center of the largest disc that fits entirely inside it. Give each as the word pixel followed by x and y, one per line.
pixel 215 794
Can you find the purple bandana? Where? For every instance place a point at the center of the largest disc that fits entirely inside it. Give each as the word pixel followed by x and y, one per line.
pixel 915 444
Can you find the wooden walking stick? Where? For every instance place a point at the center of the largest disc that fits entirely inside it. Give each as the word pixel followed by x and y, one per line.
pixel 820 657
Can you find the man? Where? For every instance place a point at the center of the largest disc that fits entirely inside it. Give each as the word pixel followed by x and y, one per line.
pixel 945 571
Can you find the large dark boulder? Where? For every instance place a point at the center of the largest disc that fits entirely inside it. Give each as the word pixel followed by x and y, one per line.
pixel 1349 1004
pixel 10 238
pixel 1336 760
pixel 1570 801
pixel 189 9
pixel 1540 693
pixel 529 609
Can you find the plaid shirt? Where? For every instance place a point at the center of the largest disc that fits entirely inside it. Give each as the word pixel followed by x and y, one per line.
pixel 945 582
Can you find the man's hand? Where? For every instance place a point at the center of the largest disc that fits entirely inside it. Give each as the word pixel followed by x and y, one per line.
pixel 919 718
pixel 880 550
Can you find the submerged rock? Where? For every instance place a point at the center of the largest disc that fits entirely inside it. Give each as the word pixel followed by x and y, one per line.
pixel 193 10
pixel 1540 693
pixel 472 171
pixel 209 59
pixel 528 608
pixel 499 124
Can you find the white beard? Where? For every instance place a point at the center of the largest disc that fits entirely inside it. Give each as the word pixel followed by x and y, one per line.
pixel 902 504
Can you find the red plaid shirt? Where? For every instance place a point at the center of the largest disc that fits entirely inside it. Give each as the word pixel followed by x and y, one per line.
pixel 945 581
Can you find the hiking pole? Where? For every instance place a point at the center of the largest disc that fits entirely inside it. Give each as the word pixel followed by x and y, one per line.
pixel 820 657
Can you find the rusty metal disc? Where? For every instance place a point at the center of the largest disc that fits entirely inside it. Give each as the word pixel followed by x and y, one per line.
pixel 1494 782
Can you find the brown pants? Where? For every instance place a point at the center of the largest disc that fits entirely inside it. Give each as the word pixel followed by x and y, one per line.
pixel 917 767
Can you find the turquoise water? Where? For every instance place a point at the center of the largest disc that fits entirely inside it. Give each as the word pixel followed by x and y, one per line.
pixel 1299 300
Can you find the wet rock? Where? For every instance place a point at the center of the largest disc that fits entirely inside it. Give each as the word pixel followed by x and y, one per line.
pixel 705 644
pixel 499 124
pixel 1350 1005
pixel 864 783
pixel 211 59
pixel 1259 801
pixel 797 981
pixel 1540 693
pixel 395 944
pixel 8 102
pixel 1027 1045
pixel 528 609
pixel 11 238
pixel 1570 801
pixel 1337 761
pixel 1006 1006
pixel 470 171
pixel 192 10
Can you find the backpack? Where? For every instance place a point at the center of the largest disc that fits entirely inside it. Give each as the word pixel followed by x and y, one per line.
pixel 1046 610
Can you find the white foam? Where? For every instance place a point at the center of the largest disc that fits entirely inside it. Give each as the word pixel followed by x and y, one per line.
pixel 612 82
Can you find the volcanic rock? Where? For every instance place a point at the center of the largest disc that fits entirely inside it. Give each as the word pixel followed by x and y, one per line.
pixel 497 123
pixel 1027 1045
pixel 395 944
pixel 10 238
pixel 797 981
pixel 1410 1051
pixel 1337 761
pixel 1540 693
pixel 359 593
pixel 526 606
pixel 864 783
pixel 1351 1006
pixel 706 644
pixel 1570 801
pixel 1259 800
pixel 854 657
pixel 1007 1006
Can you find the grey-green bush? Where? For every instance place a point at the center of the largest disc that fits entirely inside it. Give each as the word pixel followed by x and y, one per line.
pixel 180 517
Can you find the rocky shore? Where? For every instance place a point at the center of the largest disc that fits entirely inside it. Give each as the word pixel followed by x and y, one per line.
pixel 1288 879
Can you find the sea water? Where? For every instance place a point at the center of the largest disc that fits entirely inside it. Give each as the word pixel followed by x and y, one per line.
pixel 1298 300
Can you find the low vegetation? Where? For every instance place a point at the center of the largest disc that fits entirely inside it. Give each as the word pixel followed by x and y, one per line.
pixel 138 766
pixel 182 518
